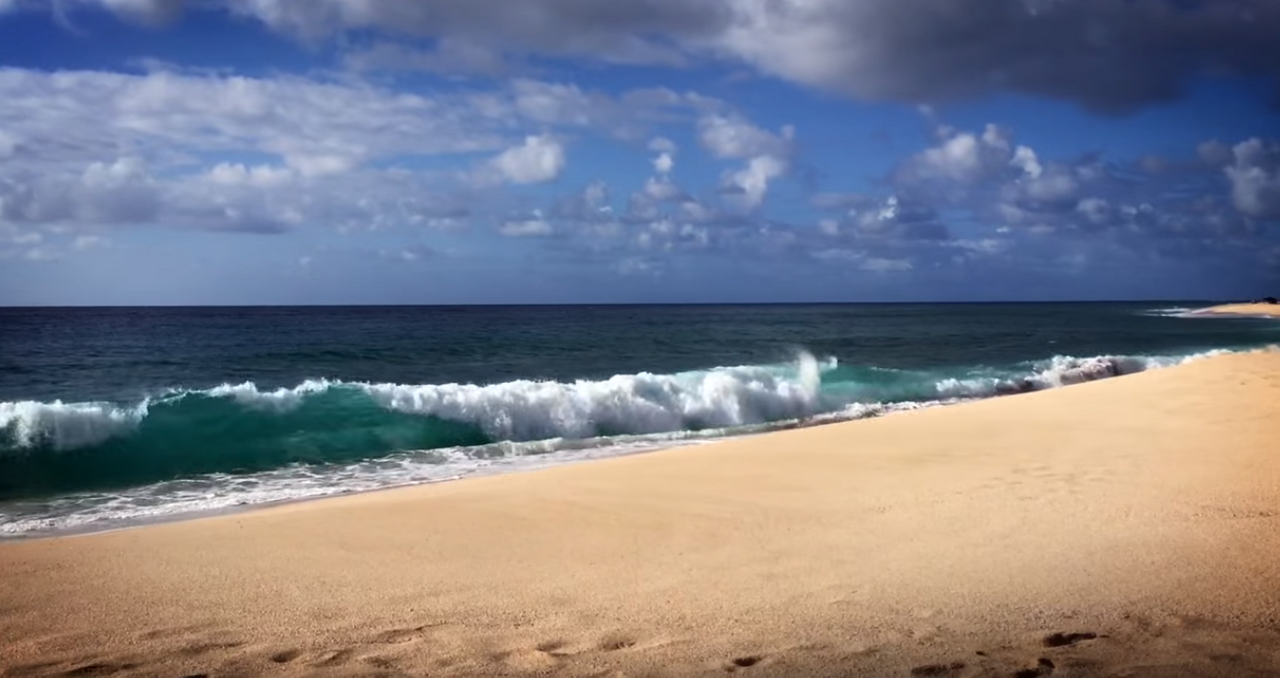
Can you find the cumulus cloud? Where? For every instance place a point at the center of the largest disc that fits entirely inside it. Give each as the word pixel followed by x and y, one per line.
pixel 734 137
pixel 767 154
pixel 753 180
pixel 892 219
pixel 538 160
pixel 211 151
pixel 1255 178
pixel 665 161
pixel 968 157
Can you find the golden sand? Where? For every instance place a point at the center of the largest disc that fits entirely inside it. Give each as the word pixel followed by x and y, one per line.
pixel 1243 309
pixel 1124 527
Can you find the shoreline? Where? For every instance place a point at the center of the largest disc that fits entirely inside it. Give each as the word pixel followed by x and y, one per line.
pixel 1117 526
pixel 817 420
pixel 163 519
pixel 1241 310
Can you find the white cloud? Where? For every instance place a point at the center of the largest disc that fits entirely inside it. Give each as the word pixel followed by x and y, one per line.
pixel 732 137
pixel 1053 186
pixel 526 228
pixel 1096 210
pixel 664 163
pixel 966 157
pixel 1025 159
pixel 983 245
pixel 956 158
pixel 632 266
pixel 766 154
pixel 113 147
pixel 91 111
pixel 662 189
pixel 863 260
pixel 753 180
pixel 662 145
pixel 120 191
pixel 882 265
pixel 191 149
pixel 538 160
pixel 559 104
pixel 153 148
pixel 1255 178
pixel 666 159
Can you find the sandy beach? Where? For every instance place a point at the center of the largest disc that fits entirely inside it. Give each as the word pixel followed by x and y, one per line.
pixel 1270 310
pixel 1123 527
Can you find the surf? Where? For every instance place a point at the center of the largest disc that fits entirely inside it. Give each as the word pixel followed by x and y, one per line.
pixel 244 428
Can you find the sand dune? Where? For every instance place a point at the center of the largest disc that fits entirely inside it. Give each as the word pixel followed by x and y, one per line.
pixel 1243 309
pixel 1124 527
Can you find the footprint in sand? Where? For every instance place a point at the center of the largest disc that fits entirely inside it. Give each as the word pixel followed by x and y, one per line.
pixel 397 636
pixel 615 643
pixel 285 657
pixel 742 663
pixel 551 647
pixel 938 669
pixel 1064 639
pixel 99 669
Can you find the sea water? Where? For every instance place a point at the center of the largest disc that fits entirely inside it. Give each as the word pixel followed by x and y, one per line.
pixel 116 416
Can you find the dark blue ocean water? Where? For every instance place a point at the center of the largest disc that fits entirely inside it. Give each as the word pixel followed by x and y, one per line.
pixel 110 415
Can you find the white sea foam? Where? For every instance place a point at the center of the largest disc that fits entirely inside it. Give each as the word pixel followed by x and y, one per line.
pixel 636 403
pixel 279 399
pixel 1174 312
pixel 66 425
pixel 1061 371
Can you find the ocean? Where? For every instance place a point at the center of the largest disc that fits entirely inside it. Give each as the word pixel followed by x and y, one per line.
pixel 117 416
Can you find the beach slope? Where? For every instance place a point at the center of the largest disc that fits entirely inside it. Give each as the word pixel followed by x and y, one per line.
pixel 1123 527
pixel 1268 310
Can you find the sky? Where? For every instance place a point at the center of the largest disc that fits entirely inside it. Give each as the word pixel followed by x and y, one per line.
pixel 625 151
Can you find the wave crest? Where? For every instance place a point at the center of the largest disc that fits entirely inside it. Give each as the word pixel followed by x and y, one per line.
pixel 65 426
pixel 624 404
pixel 526 410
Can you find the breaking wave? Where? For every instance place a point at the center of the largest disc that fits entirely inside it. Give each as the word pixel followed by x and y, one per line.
pixel 66 464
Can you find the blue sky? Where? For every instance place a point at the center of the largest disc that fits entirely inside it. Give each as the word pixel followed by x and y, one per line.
pixel 553 151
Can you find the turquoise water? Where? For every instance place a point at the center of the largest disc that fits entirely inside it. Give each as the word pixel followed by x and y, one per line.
pixel 111 416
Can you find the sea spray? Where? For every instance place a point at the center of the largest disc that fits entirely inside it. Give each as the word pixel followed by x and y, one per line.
pixel 63 426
